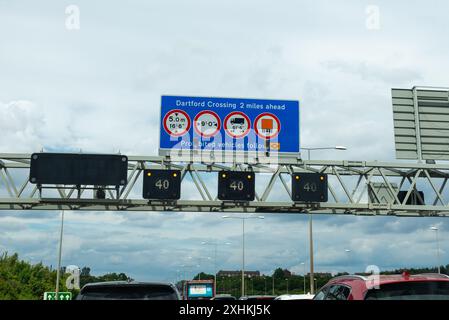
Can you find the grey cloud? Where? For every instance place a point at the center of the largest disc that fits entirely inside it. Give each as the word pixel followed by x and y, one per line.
pixel 368 71
pixel 23 215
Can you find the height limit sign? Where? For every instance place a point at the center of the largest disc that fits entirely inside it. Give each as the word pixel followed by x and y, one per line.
pixel 176 123
pixel 207 124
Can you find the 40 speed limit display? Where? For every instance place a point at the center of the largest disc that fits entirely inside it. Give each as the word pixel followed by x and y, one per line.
pixel 162 184
pixel 236 185
pixel 309 187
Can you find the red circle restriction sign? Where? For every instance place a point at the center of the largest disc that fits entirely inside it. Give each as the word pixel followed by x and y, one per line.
pixel 267 126
pixel 207 123
pixel 176 123
pixel 237 124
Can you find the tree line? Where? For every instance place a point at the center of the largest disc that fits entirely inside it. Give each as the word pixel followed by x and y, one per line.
pixel 21 280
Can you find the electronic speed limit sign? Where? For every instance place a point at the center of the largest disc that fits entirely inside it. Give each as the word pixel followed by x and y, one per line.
pixel 309 187
pixel 207 124
pixel 176 123
pixel 162 184
pixel 236 185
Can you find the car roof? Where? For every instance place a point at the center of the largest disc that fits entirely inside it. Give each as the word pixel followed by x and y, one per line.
pixel 125 283
pixel 295 297
pixel 224 297
pixel 385 279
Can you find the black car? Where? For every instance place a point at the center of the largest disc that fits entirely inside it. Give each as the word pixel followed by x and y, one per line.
pixel 224 297
pixel 123 290
pixel 259 297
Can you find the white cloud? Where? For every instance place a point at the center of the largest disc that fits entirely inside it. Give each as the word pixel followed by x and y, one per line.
pixel 21 124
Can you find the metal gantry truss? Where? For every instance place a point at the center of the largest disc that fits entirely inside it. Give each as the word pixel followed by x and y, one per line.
pixel 355 187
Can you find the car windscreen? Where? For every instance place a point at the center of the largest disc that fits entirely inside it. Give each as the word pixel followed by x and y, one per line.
pixel 413 290
pixel 224 298
pixel 129 292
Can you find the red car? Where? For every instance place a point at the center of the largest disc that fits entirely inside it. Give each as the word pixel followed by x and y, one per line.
pixel 386 287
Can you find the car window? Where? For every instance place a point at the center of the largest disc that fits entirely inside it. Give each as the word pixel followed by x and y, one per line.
pixel 224 298
pixel 321 294
pixel 338 292
pixel 412 290
pixel 129 292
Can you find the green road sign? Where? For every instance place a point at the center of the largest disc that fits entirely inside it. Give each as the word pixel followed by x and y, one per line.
pixel 61 296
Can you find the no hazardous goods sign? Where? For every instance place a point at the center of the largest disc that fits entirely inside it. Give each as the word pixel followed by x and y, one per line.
pixel 267 126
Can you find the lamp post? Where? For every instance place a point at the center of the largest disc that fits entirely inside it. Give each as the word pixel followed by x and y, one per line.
pixel 58 271
pixel 433 228
pixel 215 244
pixel 265 282
pixel 187 268
pixel 252 285
pixel 183 282
pixel 201 265
pixel 312 287
pixel 243 243
pixel 348 252
pixel 304 276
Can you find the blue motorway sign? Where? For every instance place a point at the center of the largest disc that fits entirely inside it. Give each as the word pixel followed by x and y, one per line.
pixel 229 124
pixel 200 290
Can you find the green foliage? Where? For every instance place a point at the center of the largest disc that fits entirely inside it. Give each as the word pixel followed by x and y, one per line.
pixel 278 274
pixel 443 269
pixel 204 276
pixel 84 279
pixel 85 272
pixel 20 280
pixel 262 285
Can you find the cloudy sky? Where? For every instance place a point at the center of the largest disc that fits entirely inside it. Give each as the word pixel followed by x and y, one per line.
pixel 98 88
